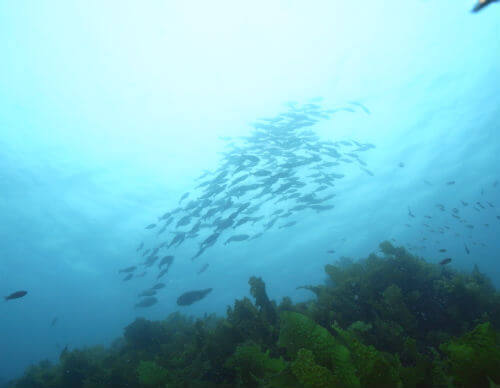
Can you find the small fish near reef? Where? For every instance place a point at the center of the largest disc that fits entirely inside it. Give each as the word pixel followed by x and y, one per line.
pixel 190 297
pixel 147 302
pixel 16 295
pixel 445 261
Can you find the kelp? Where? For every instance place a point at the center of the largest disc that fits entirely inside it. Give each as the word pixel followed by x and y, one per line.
pixel 389 320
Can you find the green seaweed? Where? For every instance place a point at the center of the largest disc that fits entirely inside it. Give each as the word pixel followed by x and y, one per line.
pixel 388 320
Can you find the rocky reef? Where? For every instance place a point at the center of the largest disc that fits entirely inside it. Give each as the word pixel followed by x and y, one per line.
pixel 388 320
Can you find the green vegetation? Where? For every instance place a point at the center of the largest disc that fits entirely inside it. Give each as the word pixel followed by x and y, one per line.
pixel 390 320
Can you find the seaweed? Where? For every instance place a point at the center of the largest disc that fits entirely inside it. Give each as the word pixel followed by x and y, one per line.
pixel 388 320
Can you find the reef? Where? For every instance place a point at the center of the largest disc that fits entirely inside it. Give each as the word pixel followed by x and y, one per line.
pixel 389 320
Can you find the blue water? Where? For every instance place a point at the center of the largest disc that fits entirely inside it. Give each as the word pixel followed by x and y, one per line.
pixel 109 113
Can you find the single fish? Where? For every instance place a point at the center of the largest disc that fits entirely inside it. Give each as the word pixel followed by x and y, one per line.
pixel 481 4
pixel 128 269
pixel 190 297
pixel 158 286
pixel 16 295
pixel 147 302
pixel 401 164
pixel 237 237
pixel 445 261
pixel 150 226
pixel 203 269
pixel 442 250
pixel 330 251
pixel 184 196
pixel 162 273
pixel 141 245
pixel 128 277
pixel 167 260
pixel 410 213
pixel 288 224
pixel 449 183
pixel 148 293
pixel 53 323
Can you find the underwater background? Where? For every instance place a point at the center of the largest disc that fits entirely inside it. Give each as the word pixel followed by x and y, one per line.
pixel 110 112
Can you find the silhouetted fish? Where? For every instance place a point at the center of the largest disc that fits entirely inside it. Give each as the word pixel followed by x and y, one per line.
pixel 158 286
pixel 150 292
pixel 442 250
pixel 203 269
pixel 445 261
pixel 16 295
pixel 128 277
pixel 53 323
pixel 128 269
pixel 192 296
pixel 150 226
pixel 147 302
pixel 481 4
pixel 449 183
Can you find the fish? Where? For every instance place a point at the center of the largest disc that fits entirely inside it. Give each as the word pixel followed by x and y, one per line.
pixel 162 273
pixel 202 269
pixel 147 302
pixel 190 297
pixel 410 213
pixel 490 204
pixel 464 203
pixel 445 261
pixel 140 247
pixel 401 164
pixel 330 251
pixel 167 260
pixel 365 109
pixel 288 224
pixel 128 269
pixel 54 321
pixel 184 196
pixel 449 183
pixel 128 277
pixel 158 286
pixel 237 237
pixel 16 295
pixel 442 250
pixel 149 292
pixel 150 261
pixel 481 4
pixel 150 226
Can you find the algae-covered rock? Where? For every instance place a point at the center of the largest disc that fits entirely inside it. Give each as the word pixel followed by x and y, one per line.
pixel 474 358
pixel 299 332
pixel 150 374
pixel 309 373
pixel 253 365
